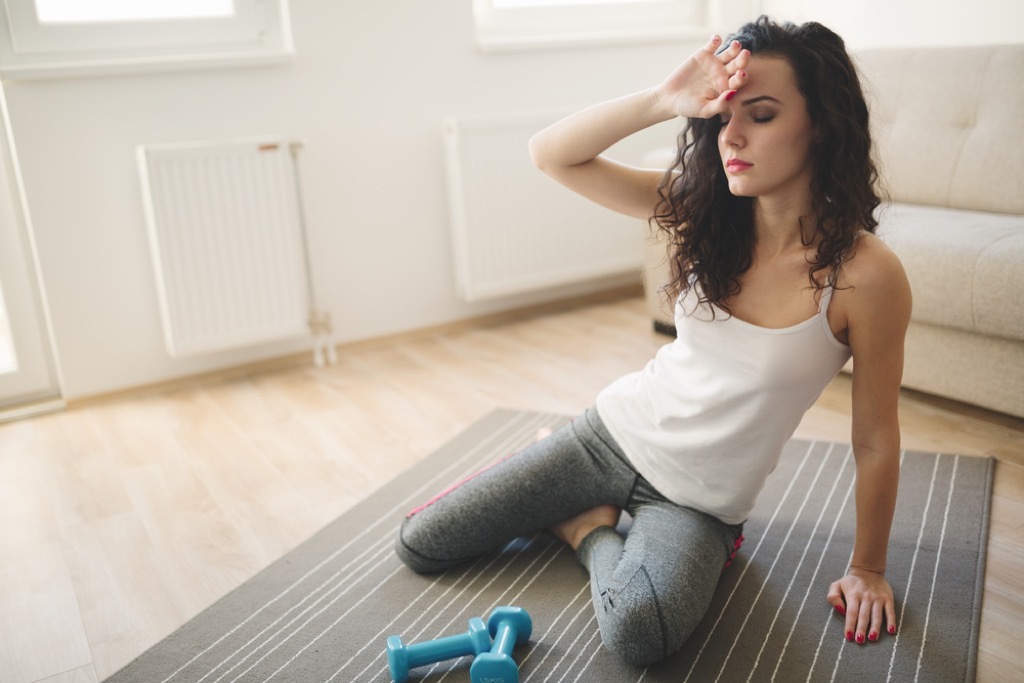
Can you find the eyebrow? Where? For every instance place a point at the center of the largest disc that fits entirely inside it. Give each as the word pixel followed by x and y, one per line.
pixel 755 100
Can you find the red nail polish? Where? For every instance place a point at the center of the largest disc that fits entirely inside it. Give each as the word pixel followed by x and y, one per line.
pixel 729 95
pixel 892 630
pixel 849 635
pixel 841 610
pixel 872 636
pixel 860 638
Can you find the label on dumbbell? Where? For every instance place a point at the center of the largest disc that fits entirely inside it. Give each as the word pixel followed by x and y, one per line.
pixel 492 680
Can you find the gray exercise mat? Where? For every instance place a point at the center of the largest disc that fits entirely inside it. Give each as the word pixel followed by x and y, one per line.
pixel 324 611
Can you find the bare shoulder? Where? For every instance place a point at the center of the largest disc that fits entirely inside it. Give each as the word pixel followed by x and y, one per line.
pixel 874 288
pixel 873 270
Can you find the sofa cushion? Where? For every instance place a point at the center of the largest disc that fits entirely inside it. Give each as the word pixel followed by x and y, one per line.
pixel 947 124
pixel 966 267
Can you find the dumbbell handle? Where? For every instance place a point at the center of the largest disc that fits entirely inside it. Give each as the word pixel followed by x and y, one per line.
pixel 441 649
pixel 504 638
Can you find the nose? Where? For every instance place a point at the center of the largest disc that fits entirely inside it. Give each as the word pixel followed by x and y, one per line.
pixel 731 134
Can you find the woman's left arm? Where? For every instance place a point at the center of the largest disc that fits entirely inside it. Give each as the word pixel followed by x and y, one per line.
pixel 878 312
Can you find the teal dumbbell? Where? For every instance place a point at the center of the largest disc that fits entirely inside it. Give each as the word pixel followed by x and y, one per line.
pixel 509 626
pixel 402 657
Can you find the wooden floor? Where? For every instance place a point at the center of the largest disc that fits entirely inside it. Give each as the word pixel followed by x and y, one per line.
pixel 120 520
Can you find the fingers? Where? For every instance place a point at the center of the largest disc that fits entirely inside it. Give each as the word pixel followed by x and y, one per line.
pixel 734 60
pixel 865 612
pixel 852 617
pixel 730 52
pixel 835 598
pixel 734 83
pixel 876 622
pixel 712 44
pixel 862 629
pixel 732 86
pixel 866 618
pixel 734 57
pixel 725 71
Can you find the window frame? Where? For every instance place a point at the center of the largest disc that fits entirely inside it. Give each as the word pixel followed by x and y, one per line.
pixel 258 33
pixel 502 29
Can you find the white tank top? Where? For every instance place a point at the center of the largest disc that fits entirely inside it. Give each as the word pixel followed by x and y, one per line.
pixel 706 420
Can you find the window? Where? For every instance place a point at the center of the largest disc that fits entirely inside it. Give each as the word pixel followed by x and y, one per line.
pixel 75 11
pixel 53 38
pixel 518 24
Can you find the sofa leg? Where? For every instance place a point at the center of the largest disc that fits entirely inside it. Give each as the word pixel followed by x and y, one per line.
pixel 664 328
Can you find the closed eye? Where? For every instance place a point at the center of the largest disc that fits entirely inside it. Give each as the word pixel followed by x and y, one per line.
pixel 762 118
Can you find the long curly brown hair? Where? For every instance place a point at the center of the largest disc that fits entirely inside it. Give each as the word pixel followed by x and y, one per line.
pixel 711 231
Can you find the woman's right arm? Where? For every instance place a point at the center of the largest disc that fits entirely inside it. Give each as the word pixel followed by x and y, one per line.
pixel 570 151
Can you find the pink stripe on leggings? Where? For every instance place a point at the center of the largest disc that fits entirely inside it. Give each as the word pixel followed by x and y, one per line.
pixel 457 485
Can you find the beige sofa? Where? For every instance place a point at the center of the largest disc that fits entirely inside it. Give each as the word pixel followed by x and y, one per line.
pixel 949 126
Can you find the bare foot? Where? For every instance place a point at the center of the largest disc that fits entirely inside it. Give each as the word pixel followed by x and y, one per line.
pixel 573 530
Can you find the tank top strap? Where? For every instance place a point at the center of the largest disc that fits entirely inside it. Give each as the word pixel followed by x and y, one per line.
pixel 826 301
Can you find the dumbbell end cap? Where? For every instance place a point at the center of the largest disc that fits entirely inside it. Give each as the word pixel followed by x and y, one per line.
pixel 493 668
pixel 479 635
pixel 518 616
pixel 398 659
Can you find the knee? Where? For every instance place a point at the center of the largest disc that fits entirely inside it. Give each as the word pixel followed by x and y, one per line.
pixel 636 635
pixel 635 626
pixel 415 554
pixel 405 546
pixel 411 559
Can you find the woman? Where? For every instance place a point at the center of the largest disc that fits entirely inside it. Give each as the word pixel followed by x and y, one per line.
pixel 779 279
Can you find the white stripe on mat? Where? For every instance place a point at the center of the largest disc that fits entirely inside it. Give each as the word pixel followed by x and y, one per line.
pixel 448 627
pixel 380 557
pixel 510 559
pixel 800 564
pixel 592 622
pixel 503 438
pixel 828 620
pixel 743 574
pixel 817 569
pixel 579 613
pixel 310 620
pixel 785 542
pixel 558 548
pixel 426 610
pixel 583 650
pixel 935 572
pixel 337 621
pixel 475 576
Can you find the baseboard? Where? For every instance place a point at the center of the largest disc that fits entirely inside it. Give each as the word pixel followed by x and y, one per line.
pixel 31 410
pixel 305 357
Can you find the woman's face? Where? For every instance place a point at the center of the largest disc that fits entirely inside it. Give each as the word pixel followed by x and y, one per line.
pixel 765 140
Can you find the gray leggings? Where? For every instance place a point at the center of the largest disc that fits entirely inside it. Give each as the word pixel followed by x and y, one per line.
pixel 650 589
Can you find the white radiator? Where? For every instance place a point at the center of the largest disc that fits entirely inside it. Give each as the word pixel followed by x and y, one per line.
pixel 515 230
pixel 227 241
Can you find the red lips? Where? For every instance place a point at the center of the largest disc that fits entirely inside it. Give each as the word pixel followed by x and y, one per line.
pixel 737 165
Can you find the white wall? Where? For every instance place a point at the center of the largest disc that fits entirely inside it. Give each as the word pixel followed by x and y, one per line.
pixel 887 23
pixel 368 89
